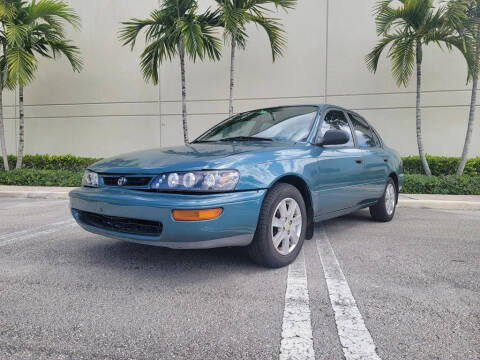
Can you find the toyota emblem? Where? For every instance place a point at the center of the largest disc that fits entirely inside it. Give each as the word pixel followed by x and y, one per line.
pixel 122 181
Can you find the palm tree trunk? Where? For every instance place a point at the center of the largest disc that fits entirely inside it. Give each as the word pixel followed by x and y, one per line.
pixel 21 128
pixel 419 112
pixel 471 115
pixel 232 70
pixel 181 51
pixel 2 135
pixel 2 128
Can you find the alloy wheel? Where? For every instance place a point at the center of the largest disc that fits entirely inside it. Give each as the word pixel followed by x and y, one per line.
pixel 286 226
pixel 390 198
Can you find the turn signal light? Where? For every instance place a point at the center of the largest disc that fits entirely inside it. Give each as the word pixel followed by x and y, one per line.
pixel 197 215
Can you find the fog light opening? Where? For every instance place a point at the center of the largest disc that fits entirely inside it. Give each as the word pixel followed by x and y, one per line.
pixel 196 215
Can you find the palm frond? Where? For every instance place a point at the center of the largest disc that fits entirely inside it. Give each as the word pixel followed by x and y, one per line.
pixel 236 14
pixel 466 46
pixel 192 36
pixel 211 43
pixel 455 14
pixel 177 21
pixel 21 66
pixel 8 9
pixel 16 34
pixel 373 57
pixel 402 54
pixel 38 29
pixel 262 4
pixel 150 60
pixel 419 21
pixel 71 52
pixel 53 12
pixel 131 29
pixel 386 16
pixel 275 33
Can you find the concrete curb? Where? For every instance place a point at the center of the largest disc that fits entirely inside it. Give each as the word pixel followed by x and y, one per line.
pixel 405 200
pixel 34 194
pixel 439 204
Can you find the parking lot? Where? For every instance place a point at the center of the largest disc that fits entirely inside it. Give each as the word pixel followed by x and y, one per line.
pixel 69 294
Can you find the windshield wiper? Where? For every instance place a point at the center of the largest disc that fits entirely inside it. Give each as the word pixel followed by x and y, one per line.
pixel 246 138
pixel 203 141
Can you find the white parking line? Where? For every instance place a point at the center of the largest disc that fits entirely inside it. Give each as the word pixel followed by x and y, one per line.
pixel 297 339
pixel 22 235
pixel 357 343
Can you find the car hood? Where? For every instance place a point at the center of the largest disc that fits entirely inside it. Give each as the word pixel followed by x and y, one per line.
pixel 190 157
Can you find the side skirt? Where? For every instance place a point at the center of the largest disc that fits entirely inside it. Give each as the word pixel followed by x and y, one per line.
pixel 334 214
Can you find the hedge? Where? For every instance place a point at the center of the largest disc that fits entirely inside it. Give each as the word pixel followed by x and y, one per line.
pixel 51 162
pixel 32 177
pixel 440 165
pixel 447 184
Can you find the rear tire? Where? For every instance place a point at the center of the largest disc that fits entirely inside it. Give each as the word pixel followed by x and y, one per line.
pixel 384 209
pixel 281 228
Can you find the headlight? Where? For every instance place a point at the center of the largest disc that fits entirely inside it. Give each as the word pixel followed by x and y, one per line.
pixel 197 181
pixel 90 179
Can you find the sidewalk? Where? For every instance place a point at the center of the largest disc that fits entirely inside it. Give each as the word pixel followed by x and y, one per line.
pixel 446 202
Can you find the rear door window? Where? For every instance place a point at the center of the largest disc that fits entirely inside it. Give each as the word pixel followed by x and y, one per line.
pixel 366 137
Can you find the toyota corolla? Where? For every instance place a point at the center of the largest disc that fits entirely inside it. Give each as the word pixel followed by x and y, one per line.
pixel 259 179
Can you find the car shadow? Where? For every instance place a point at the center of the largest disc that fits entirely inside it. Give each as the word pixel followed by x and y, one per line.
pixel 121 256
pixel 359 215
pixel 125 256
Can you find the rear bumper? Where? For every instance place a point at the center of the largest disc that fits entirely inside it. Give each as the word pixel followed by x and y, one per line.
pixel 234 227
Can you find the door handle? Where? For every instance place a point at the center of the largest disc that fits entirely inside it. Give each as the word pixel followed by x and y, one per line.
pixel 385 159
pixel 359 161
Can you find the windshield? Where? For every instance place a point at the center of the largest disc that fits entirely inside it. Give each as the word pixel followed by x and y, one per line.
pixel 291 123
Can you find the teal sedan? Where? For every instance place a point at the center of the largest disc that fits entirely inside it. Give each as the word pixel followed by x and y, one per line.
pixel 259 179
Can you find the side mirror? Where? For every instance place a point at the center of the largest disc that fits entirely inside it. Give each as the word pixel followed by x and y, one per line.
pixel 333 137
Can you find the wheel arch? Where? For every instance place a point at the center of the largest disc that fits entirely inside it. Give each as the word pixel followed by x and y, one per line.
pixel 302 186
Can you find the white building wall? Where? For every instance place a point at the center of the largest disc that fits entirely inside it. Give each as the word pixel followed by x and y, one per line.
pixel 109 109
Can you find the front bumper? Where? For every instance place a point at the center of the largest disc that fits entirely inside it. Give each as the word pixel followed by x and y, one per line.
pixel 234 227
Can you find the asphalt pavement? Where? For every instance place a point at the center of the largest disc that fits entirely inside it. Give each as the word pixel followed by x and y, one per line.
pixel 68 294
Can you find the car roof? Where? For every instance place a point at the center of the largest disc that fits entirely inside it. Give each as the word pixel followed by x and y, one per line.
pixel 321 107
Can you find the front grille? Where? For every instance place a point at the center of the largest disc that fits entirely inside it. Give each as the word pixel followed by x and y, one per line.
pixel 121 224
pixel 112 180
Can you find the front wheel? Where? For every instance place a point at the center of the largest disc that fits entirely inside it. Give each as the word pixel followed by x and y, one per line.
pixel 281 227
pixel 384 209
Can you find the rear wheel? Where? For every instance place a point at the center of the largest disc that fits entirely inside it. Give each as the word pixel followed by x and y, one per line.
pixel 281 227
pixel 384 210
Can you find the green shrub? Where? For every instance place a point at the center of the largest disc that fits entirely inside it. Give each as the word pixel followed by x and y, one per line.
pixel 447 184
pixel 440 165
pixel 67 170
pixel 51 162
pixel 33 177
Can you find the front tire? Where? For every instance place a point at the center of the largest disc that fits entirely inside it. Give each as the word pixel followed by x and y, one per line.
pixel 384 209
pixel 281 227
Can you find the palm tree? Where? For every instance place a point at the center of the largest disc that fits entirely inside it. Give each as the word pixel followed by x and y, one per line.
pixel 406 29
pixel 37 29
pixel 174 29
pixel 472 31
pixel 236 14
pixel 7 12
